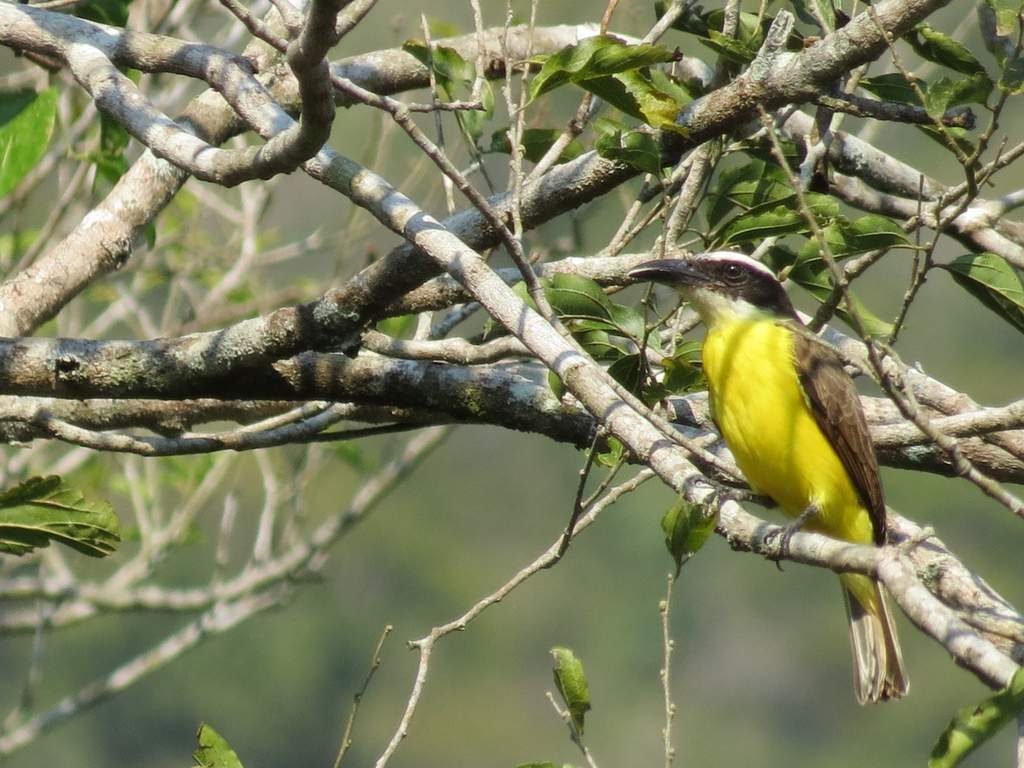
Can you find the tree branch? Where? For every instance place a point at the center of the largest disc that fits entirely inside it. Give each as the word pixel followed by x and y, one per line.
pixel 106 238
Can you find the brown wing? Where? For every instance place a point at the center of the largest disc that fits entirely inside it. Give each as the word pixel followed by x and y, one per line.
pixel 836 407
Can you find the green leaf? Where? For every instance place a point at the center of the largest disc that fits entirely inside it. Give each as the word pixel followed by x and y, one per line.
pixel 473 120
pixel 687 528
pixel 26 124
pixel 871 232
pixel 790 152
pixel 598 56
pixel 945 93
pixel 894 87
pixel 455 77
pixel 596 341
pixel 397 326
pixel 572 685
pixel 683 371
pixel 872 325
pixel 746 185
pixel 592 316
pixel 708 27
pixel 846 238
pixel 628 322
pixel 635 93
pixel 535 143
pixel 613 90
pixel 557 387
pixel 957 135
pixel 450 69
pixel 577 296
pixel 974 725
pixel 993 282
pixel 613 455
pixel 628 370
pixel 620 91
pixel 777 217
pixel 818 283
pixel 213 750
pixel 748 31
pixel 113 12
pixel 42 509
pixel 682 92
pixel 636 148
pixel 808 270
pixel 1012 78
pixel 942 49
pixel 729 47
pixel 779 257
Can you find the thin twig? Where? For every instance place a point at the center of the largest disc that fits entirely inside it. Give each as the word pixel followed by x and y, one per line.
pixel 425 645
pixel 668 645
pixel 346 738
pixel 449 189
pixel 577 737
pixel 919 268
pixel 578 505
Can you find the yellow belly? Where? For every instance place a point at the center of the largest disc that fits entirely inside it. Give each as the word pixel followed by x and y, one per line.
pixel 763 415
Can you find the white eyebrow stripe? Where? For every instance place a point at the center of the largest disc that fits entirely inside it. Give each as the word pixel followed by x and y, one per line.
pixel 740 258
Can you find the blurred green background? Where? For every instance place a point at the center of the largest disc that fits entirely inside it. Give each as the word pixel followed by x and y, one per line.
pixel 761 670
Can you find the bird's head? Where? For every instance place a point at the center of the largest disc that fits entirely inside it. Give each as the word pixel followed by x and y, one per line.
pixel 721 286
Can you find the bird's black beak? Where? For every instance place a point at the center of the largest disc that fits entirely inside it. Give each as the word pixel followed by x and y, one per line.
pixel 670 272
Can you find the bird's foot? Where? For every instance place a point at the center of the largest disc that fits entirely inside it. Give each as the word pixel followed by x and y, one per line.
pixel 785 534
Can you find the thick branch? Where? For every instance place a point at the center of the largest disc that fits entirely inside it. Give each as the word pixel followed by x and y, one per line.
pixel 91 51
pixel 795 78
pixel 893 187
pixel 894 568
pixel 107 237
pixel 416 392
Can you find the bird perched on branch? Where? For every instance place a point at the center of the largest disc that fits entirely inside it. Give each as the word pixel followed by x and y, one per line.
pixel 790 414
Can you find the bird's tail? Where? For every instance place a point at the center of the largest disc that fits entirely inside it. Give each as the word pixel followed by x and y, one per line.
pixel 878 673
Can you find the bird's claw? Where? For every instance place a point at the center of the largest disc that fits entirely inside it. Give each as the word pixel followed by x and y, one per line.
pixel 785 534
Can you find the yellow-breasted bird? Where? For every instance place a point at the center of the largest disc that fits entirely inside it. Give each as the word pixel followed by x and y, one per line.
pixel 792 419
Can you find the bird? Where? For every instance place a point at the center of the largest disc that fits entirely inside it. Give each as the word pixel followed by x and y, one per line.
pixel 790 415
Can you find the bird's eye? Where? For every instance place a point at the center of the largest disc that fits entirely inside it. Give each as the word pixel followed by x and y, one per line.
pixel 733 274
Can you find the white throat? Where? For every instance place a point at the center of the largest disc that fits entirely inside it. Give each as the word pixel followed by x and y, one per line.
pixel 716 309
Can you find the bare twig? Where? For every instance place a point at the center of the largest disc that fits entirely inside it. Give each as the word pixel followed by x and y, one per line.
pixel 346 737
pixel 667 645
pixel 859 106
pixel 217 620
pixel 425 645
